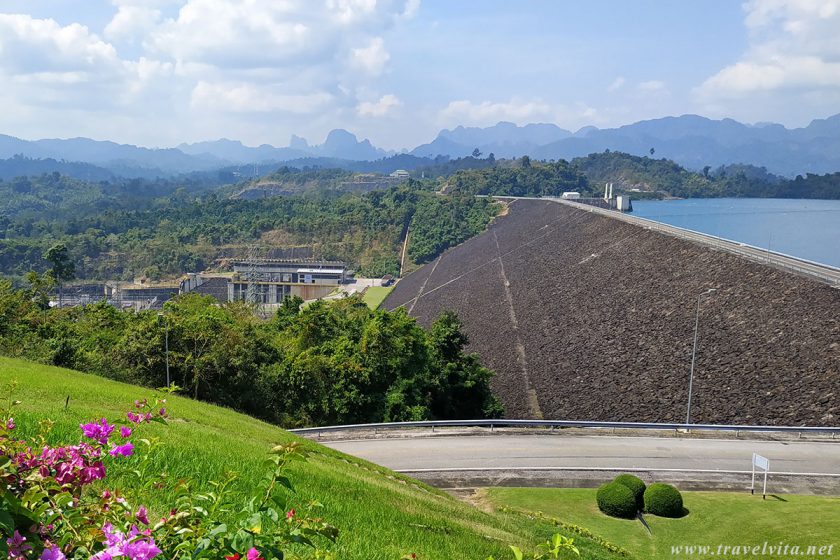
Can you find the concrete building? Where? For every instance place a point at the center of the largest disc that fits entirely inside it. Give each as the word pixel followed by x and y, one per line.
pixel 275 279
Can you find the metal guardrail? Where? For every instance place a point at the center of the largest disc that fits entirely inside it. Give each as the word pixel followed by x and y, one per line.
pixel 568 424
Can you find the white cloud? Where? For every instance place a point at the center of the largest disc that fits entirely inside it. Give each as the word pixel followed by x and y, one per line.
pixel 653 86
pixel 617 84
pixel 30 46
pixel 380 108
pixel 371 58
pixel 132 22
pixel 251 98
pixel 794 45
pixel 489 112
pixel 160 64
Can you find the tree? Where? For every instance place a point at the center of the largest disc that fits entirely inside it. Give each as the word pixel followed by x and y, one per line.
pixel 652 151
pixel 491 158
pixel 526 162
pixel 476 153
pixel 62 267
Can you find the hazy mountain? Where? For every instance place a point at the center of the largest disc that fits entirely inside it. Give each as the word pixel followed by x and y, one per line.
pixel 344 145
pixel 504 139
pixel 123 159
pixel 234 151
pixel 690 140
pixel 696 141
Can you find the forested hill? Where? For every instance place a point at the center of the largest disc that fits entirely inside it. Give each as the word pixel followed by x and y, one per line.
pixel 663 177
pixel 642 177
pixel 156 232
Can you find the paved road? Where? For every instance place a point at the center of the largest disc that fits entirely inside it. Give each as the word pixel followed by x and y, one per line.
pixel 524 452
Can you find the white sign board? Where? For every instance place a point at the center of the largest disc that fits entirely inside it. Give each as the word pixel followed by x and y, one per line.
pixel 762 463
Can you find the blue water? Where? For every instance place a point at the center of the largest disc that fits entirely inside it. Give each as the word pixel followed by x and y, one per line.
pixel 809 229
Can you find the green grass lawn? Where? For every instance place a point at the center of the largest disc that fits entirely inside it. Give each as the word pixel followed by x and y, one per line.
pixel 375 295
pixel 381 515
pixel 715 518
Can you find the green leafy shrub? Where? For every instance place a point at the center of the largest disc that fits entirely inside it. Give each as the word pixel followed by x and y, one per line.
pixel 616 500
pixel 663 500
pixel 636 485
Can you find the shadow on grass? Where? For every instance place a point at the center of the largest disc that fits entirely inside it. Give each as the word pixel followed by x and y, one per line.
pixel 775 497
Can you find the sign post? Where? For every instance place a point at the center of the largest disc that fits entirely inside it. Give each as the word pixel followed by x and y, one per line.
pixel 762 463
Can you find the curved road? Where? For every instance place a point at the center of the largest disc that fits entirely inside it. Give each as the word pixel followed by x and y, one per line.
pixel 514 459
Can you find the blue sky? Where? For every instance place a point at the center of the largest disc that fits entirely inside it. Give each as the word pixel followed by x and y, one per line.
pixel 159 72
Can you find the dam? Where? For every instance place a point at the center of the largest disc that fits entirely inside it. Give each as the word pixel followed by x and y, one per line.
pixel 588 314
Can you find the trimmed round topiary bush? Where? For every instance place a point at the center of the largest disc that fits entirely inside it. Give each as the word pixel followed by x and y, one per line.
pixel 616 500
pixel 663 500
pixel 636 485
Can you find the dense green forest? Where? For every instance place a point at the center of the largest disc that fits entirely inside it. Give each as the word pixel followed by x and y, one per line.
pixel 523 177
pixel 663 177
pixel 157 232
pixel 328 363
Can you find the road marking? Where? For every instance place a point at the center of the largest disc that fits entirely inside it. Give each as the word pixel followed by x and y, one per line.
pixel 608 469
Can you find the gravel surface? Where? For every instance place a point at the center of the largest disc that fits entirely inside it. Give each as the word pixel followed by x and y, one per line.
pixel 605 314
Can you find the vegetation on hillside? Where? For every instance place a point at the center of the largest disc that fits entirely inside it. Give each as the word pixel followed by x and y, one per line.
pixel 379 514
pixel 328 363
pixel 663 177
pixel 524 178
pixel 170 234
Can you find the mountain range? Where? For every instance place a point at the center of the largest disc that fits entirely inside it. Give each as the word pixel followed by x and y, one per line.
pixel 690 140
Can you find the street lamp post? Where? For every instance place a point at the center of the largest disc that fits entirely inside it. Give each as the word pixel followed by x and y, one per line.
pixel 694 354
pixel 162 317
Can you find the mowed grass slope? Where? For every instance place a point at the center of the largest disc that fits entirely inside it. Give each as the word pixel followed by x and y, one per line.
pixel 715 518
pixel 381 515
pixel 375 295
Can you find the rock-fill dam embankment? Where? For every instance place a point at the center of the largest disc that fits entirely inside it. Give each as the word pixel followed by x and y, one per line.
pixel 588 318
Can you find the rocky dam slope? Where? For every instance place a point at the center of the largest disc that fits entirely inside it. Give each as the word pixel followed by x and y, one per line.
pixel 583 317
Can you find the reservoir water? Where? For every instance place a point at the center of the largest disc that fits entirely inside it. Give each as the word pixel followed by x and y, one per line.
pixel 808 229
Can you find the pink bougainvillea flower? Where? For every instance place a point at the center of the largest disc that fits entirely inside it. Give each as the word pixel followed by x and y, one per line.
pixel 290 514
pixel 51 552
pixel 143 549
pixel 125 431
pixel 131 545
pixel 17 545
pixel 162 412
pixel 233 557
pixel 253 554
pixel 10 424
pixel 100 431
pixel 133 417
pixel 126 450
pixel 142 515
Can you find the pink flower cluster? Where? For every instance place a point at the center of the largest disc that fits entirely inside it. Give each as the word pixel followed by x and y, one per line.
pixel 80 464
pixel 74 464
pixel 100 431
pixel 136 545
